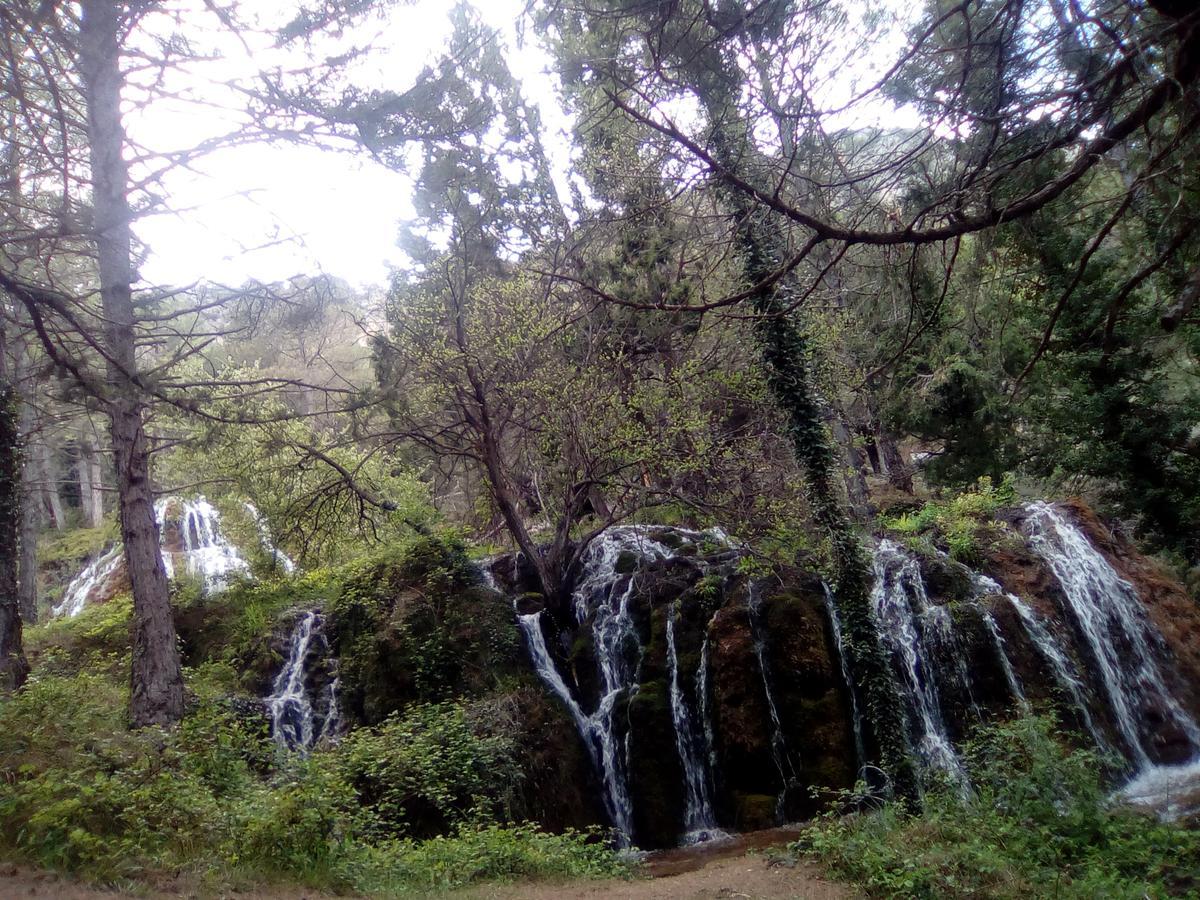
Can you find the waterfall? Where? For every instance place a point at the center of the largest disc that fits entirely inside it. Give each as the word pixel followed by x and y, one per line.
pixel 95 574
pixel 290 707
pixel 699 820
pixel 264 537
pixel 207 554
pixel 899 601
pixel 601 604
pixel 1065 672
pixel 596 729
pixel 1010 674
pixel 702 689
pixel 983 587
pixel 787 772
pixel 1121 640
pixel 856 719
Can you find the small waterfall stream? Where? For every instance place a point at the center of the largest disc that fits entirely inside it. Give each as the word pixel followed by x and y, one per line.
pixel 985 586
pixel 284 561
pixel 702 689
pixel 1123 644
pixel 779 750
pixel 295 723
pixel 700 822
pixel 856 719
pixel 900 604
pixel 1066 674
pixel 94 576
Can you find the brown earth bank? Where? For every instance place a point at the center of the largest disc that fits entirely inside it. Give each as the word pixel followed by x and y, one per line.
pixel 738 868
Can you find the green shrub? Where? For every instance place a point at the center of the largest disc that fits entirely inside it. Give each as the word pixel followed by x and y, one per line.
pixel 478 853
pixel 956 523
pixel 436 766
pixel 1037 823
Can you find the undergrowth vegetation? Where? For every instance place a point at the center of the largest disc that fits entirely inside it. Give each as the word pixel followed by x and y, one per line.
pixel 423 800
pixel 959 525
pixel 1037 823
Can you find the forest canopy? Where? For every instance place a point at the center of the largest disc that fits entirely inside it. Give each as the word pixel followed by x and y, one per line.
pixel 789 269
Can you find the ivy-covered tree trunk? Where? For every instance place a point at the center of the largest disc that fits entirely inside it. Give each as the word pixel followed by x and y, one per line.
pixel 787 360
pixel 156 680
pixel 13 667
pixel 30 521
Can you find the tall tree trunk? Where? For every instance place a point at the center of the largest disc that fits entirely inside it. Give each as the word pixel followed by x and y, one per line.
pixel 786 354
pixel 899 473
pixel 156 681
pixel 91 480
pixel 787 357
pixel 31 520
pixel 27 570
pixel 13 667
pixel 854 467
pixel 47 477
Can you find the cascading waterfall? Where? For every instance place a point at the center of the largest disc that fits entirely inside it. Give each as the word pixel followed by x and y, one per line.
pixel 94 574
pixel 264 536
pixel 985 586
pixel 702 689
pixel 293 717
pixel 1122 641
pixel 899 601
pixel 615 803
pixel 779 751
pixel 207 554
pixel 1066 674
pixel 601 603
pixel 1006 666
pixel 856 719
pixel 699 820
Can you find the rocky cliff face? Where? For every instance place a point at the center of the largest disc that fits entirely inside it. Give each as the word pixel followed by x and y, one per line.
pixel 697 691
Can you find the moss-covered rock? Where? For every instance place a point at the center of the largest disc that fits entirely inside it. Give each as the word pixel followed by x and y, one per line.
pixel 419 626
pixel 655 774
pixel 809 692
pixel 754 812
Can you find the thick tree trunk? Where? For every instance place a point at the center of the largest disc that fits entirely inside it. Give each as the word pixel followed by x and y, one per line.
pixel 47 477
pixel 899 473
pixel 854 469
pixel 156 682
pixel 91 481
pixel 31 520
pixel 27 571
pixel 13 667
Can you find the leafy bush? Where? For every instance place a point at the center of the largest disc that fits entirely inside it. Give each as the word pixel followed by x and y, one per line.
pixel 415 624
pixel 212 799
pixel 436 766
pixel 957 522
pixel 1036 824
pixel 479 853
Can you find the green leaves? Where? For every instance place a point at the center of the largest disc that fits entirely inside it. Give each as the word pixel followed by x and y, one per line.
pixel 1038 823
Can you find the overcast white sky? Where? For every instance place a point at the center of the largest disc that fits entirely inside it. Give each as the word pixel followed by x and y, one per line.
pixel 269 212
pixel 315 211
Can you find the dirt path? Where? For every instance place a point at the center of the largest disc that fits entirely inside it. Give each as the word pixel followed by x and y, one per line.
pixel 744 878
pixel 736 870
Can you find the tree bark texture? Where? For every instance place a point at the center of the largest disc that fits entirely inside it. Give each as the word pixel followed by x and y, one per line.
pixel 13 667
pixel 156 681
